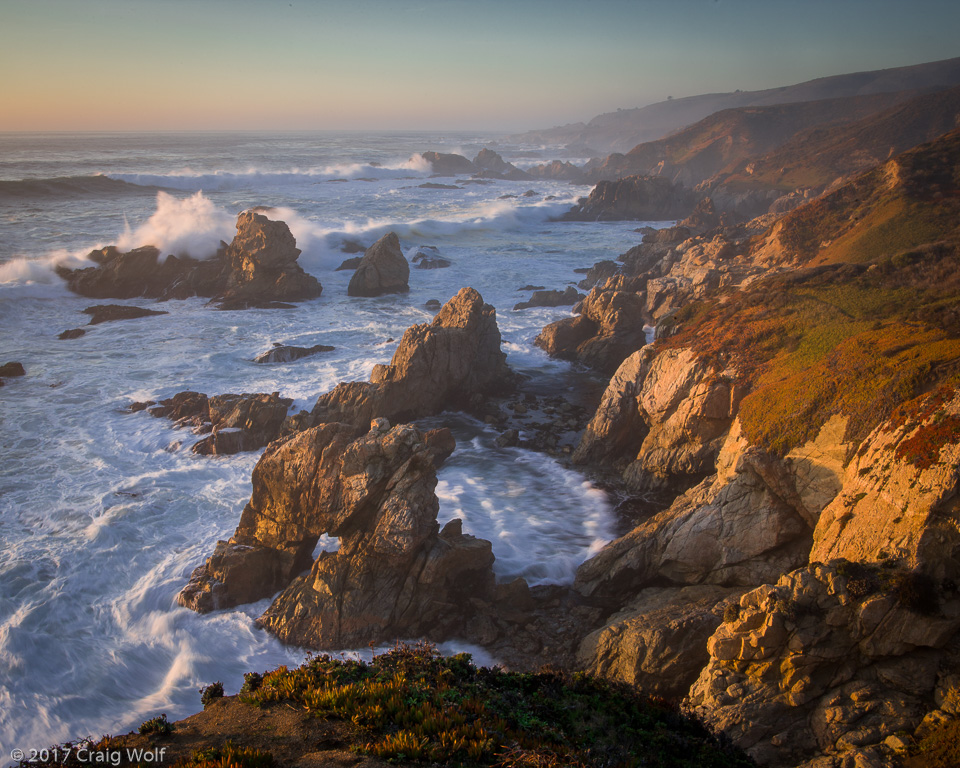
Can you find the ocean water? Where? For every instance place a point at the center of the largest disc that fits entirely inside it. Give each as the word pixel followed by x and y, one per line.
pixel 103 514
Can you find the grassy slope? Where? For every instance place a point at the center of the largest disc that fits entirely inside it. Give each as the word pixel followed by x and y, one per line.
pixel 871 321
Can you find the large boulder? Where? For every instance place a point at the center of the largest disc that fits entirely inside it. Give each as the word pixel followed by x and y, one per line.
pixel 452 362
pixel 257 268
pixel 383 269
pixel 492 166
pixel 658 642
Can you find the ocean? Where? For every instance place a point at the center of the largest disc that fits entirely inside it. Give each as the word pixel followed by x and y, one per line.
pixel 104 514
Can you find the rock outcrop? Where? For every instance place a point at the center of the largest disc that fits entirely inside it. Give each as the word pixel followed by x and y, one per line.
pixel 258 268
pixel 609 327
pixel 395 574
pixel 452 362
pixel 383 269
pixel 647 198
pixel 829 663
pixel 428 257
pixel 232 423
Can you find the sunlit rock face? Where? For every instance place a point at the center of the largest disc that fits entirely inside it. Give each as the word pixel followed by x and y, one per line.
pixel 452 362
pixel 831 660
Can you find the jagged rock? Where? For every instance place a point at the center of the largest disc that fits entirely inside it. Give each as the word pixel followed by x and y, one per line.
pixel 263 265
pixel 395 574
pixel 649 198
pixel 749 523
pixel 257 268
pixel 383 269
pixel 107 313
pixel 428 257
pixel 233 423
pixel 282 353
pixel 820 665
pixel 559 171
pixel 448 164
pixel 566 297
pixel 448 363
pixel 658 642
pixel 491 165
pixel 704 217
pixel 609 328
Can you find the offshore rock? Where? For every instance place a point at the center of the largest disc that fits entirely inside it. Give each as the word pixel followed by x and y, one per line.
pixel 830 662
pixel 448 164
pixel 566 297
pixel 263 265
pixel 383 269
pixel 648 198
pixel 258 267
pixel 492 166
pixel 232 423
pixel 428 257
pixel 452 362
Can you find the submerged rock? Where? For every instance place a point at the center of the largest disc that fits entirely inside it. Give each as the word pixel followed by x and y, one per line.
pixel 107 313
pixel 383 269
pixel 282 353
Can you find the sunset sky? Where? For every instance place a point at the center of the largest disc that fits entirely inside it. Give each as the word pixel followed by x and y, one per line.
pixel 440 64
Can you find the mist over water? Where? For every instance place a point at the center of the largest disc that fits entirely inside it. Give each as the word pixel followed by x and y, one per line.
pixel 103 514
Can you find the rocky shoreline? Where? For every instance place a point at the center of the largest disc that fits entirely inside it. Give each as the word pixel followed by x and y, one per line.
pixel 780 413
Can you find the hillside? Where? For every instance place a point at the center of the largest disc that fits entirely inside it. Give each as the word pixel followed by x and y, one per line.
pixel 725 140
pixel 620 131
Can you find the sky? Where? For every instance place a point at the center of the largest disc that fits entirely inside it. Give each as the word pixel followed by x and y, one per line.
pixel 427 64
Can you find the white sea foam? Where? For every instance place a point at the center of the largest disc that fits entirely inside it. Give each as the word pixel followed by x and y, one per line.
pixel 191 226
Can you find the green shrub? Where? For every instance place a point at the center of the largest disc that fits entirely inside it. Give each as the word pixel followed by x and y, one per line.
pixel 210 693
pixel 158 725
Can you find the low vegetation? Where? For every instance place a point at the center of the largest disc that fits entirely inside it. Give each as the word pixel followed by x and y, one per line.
pixel 419 706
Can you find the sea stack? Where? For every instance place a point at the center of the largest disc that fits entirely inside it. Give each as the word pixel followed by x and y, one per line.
pixel 383 269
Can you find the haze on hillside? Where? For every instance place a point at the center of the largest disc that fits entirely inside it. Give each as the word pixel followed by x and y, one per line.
pixel 416 64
